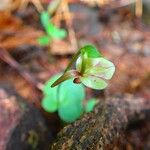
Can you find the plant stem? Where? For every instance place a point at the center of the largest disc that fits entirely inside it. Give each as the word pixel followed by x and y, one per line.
pixel 83 65
pixel 72 60
pixel 58 94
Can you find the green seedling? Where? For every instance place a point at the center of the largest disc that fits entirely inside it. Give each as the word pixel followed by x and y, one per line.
pixel 52 32
pixel 92 69
pixel 67 99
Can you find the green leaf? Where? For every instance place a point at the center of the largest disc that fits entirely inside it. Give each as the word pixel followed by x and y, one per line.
pixel 90 105
pixel 91 51
pixel 84 52
pixel 44 40
pixel 49 28
pixel 71 92
pixel 50 100
pixel 70 111
pixel 53 31
pixel 97 71
pixel 49 104
pixel 44 16
pixel 100 67
pixel 47 90
pixel 88 51
pixel 62 95
pixel 93 82
pixel 58 33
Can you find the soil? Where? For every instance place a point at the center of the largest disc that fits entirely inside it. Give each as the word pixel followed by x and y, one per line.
pixel 117 33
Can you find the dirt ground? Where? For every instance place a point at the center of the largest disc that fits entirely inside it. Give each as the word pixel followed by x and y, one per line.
pixel 116 32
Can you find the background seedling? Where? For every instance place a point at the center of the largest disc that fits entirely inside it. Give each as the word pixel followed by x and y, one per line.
pixel 52 32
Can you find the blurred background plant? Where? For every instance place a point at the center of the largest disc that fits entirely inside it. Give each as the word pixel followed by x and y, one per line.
pixel 51 30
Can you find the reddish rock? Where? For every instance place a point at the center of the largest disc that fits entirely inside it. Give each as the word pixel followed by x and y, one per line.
pixel 21 125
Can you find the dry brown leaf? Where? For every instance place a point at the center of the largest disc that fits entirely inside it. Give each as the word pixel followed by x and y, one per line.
pixel 61 48
pixel 132 74
pixel 13 33
pixel 111 3
pixel 10 5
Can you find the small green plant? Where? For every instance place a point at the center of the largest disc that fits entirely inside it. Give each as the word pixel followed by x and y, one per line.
pixel 52 32
pixel 92 69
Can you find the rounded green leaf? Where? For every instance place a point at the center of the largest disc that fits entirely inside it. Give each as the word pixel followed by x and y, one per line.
pixel 100 67
pixel 62 94
pixel 50 100
pixel 70 111
pixel 49 105
pixel 90 105
pixel 97 71
pixel 94 82
pixel 71 92
pixel 47 90
pixel 91 51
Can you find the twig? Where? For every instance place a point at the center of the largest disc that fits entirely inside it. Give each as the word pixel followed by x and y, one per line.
pixel 36 3
pixel 63 13
pixel 5 56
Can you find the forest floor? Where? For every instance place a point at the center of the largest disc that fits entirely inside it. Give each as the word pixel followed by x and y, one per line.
pixel 121 37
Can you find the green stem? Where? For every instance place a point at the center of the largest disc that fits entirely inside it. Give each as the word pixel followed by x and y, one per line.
pixel 83 65
pixel 58 95
pixel 73 60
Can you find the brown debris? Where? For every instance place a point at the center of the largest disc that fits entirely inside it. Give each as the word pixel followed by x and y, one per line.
pixel 4 55
pixel 11 5
pixel 13 33
pixel 61 48
pixel 132 75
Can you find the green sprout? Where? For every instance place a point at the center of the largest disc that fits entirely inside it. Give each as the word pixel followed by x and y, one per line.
pixel 92 69
pixel 52 32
